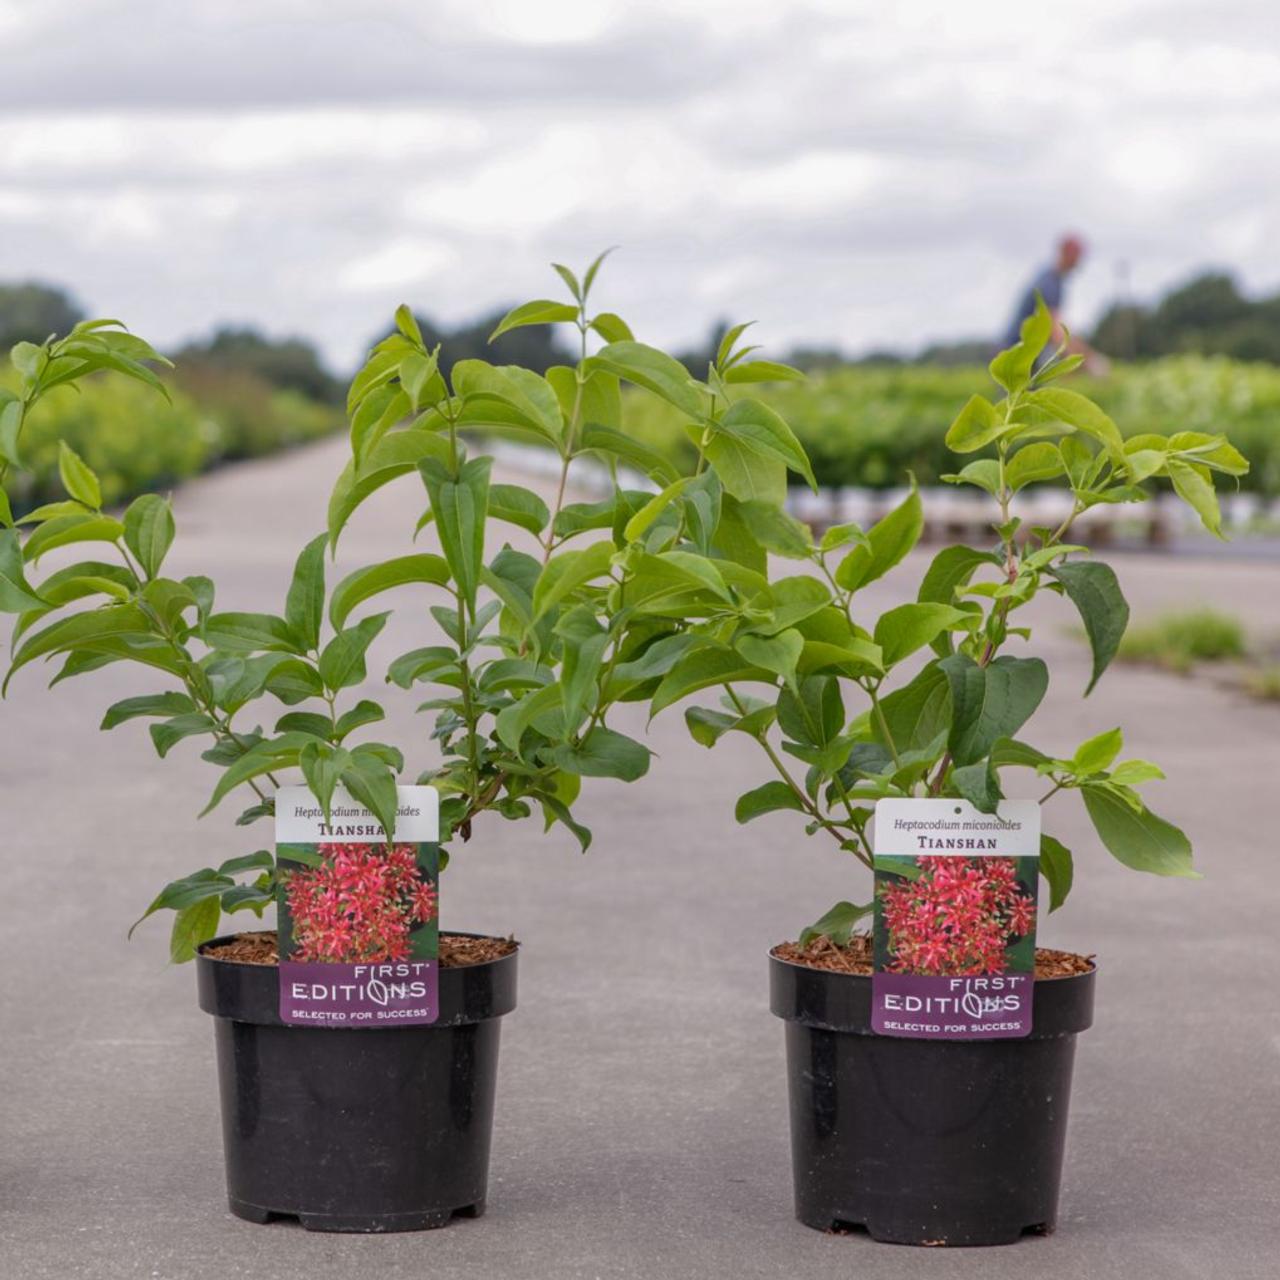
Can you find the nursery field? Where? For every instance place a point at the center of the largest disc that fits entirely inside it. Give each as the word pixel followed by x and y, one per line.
pixel 868 426
pixel 642 1127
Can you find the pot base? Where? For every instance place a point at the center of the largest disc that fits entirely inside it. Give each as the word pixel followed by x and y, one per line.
pixel 959 1236
pixel 356 1223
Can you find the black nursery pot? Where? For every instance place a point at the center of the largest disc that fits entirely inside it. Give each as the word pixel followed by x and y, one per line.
pixel 956 1142
pixel 356 1130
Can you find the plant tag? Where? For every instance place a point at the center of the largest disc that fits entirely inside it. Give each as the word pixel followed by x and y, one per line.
pixel 955 919
pixel 358 929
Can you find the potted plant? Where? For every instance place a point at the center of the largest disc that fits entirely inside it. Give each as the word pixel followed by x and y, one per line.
pixel 526 650
pixel 941 1141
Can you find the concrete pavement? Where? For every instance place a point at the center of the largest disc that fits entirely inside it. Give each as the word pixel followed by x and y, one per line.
pixel 641 1122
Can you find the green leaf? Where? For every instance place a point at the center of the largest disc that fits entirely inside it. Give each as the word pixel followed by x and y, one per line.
pixel 604 753
pixel 149 531
pixel 513 722
pixel 977 783
pixel 396 455
pixel 342 662
pixel 700 669
pixel 759 428
pixel 584 642
pixel 1096 754
pixel 169 732
pixel 565 573
pixel 612 328
pixel 304 607
pixel 747 473
pixel 1057 867
pixel 151 704
pixel 1033 463
pixel 1012 367
pixel 82 631
pixel 262 757
pixel 556 810
pixel 777 531
pixel 813 714
pixel 259 861
pixel 763 371
pixel 837 924
pixel 1194 487
pixel 976 426
pixel 17 595
pixel 364 712
pixel 989 703
pixel 1080 412
pixel 508 398
pixel 373 785
pixel 518 506
pixel 653 370
pixel 460 508
pixel 248 633
pixel 1095 591
pixel 639 524
pixel 1132 773
pixel 77 479
pixel 779 653
pixel 365 583
pixel 62 531
pixel 901 631
pixel 917 715
pixel 541 311
pixel 294 681
pixel 888 542
pixel 603 439
pixel 322 766
pixel 192 927
pixel 769 798
pixel 1138 838
pixel 951 569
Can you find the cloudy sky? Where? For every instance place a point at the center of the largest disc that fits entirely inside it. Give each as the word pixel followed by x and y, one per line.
pixel 859 174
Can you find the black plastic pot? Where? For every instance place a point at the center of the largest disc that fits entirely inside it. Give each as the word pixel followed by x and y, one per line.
pixel 356 1130
pixel 956 1142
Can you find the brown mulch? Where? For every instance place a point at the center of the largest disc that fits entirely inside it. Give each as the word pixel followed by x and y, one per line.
pixel 456 950
pixel 822 953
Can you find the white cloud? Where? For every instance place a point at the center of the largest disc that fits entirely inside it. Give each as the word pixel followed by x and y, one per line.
pixel 868 175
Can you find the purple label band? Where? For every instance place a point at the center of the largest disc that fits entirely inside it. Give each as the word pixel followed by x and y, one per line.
pixel 400 994
pixel 928 1008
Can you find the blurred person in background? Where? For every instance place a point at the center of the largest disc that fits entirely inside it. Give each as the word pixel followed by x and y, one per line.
pixel 1051 284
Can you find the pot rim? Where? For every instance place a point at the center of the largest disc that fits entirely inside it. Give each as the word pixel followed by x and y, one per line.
pixel 866 977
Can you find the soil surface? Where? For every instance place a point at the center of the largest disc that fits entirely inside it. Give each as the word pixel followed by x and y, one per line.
pixel 456 950
pixel 822 953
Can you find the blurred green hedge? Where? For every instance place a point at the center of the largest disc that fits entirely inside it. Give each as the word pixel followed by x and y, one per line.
pixel 866 426
pixel 136 441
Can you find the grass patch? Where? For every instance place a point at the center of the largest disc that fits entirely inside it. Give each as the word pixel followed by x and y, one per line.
pixel 1177 641
pixel 1263 683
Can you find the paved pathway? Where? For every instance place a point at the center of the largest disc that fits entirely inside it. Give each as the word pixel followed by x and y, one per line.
pixel 641 1129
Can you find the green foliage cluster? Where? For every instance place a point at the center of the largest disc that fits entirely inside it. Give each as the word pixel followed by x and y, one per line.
pixel 867 426
pixel 850 716
pixel 523 654
pixel 1180 640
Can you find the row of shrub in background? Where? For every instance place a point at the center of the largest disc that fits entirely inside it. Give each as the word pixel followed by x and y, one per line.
pixel 867 426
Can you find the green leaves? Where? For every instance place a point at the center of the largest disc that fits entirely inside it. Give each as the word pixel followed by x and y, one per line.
pixel 567 572
pixel 149 531
pixel 976 426
pixel 1094 590
pixel 342 661
pixel 603 753
pixel 901 631
pixel 304 607
pixel 16 594
pixel 1058 869
pixel 366 583
pixel 758 428
pixel 887 544
pixel 1136 836
pixel 837 924
pixel 653 370
pixel 1081 413
pixel 990 703
pixel 77 479
pixel 768 798
pixel 518 506
pixel 460 507
pixel 541 311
